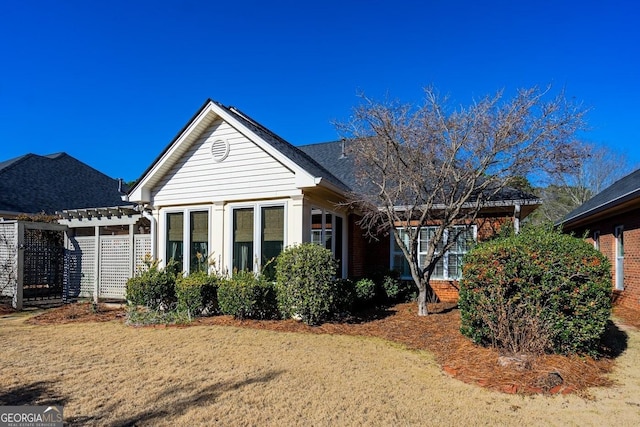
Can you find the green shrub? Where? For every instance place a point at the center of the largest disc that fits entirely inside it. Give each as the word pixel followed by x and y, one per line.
pixel 539 291
pixel 344 297
pixel 197 294
pixel 152 287
pixel 306 285
pixel 247 296
pixel 391 288
pixel 365 291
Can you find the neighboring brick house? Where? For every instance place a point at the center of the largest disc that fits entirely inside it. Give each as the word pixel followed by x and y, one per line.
pixel 33 184
pixel 611 222
pixel 228 187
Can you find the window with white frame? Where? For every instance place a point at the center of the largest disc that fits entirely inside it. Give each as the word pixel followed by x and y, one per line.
pixel 326 230
pixel 449 266
pixel 258 236
pixel 191 225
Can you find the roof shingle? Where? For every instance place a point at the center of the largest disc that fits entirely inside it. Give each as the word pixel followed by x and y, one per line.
pixel 32 184
pixel 619 191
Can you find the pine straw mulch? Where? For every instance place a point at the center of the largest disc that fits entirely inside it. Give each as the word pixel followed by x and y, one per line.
pixel 437 333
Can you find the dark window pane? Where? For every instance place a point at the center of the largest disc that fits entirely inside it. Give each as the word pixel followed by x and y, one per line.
pixel 272 237
pixel 199 241
pixel 175 239
pixel 243 239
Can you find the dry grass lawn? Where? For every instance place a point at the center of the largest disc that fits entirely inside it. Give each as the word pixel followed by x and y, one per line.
pixel 112 374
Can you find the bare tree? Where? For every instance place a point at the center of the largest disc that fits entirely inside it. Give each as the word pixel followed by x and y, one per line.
pixel 431 165
pixel 601 167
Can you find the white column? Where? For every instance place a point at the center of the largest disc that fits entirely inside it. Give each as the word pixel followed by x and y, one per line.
pixel 96 264
pixel 132 252
pixel 17 295
pixel 298 222
pixel 217 236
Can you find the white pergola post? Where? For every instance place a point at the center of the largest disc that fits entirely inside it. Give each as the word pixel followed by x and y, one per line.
pixel 96 265
pixel 17 301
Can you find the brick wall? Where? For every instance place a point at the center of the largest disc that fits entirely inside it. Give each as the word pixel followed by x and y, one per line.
pixel 366 257
pixel 630 296
pixel 446 290
pixel 357 244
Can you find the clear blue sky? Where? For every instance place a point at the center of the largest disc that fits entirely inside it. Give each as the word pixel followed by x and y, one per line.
pixel 112 82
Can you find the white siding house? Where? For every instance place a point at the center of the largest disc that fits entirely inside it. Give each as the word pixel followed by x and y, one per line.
pixel 227 193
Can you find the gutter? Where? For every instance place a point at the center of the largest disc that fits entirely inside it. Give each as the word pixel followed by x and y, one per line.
pixel 488 204
pixel 602 206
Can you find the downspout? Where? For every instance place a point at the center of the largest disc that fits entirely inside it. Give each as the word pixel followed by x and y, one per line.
pixel 152 220
pixel 516 218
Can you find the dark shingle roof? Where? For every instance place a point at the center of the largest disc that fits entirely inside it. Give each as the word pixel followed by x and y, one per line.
pixel 618 192
pixel 331 161
pixel 334 157
pixel 296 154
pixel 337 158
pixel 34 184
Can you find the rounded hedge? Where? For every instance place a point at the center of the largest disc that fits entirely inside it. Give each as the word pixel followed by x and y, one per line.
pixel 247 296
pixel 153 287
pixel 536 292
pixel 197 293
pixel 305 282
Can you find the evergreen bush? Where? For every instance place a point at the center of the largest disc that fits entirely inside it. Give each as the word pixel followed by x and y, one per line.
pixel 306 285
pixel 197 294
pixel 247 296
pixel 152 287
pixel 365 291
pixel 535 292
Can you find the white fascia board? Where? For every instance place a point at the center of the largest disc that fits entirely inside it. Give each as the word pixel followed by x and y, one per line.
pixel 303 178
pixel 306 180
pixel 328 185
pixel 142 191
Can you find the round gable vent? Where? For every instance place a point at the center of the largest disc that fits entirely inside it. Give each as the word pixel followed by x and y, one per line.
pixel 219 150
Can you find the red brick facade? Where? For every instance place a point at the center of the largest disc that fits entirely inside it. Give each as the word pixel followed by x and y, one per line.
pixel 367 256
pixel 606 227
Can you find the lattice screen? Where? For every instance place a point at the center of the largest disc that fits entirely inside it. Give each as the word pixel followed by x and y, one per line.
pixel 142 247
pixel 87 267
pixel 115 266
pixel 8 260
pixel 43 270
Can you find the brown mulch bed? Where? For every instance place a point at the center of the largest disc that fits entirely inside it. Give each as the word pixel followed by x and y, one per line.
pixel 6 309
pixel 437 333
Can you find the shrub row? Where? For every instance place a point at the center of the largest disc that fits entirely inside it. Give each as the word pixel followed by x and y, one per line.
pixel 305 288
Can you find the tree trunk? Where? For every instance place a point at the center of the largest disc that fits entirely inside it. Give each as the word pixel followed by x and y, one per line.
pixel 422 301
